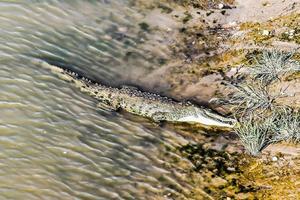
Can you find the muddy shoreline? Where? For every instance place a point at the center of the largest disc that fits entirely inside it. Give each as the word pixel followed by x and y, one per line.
pixel 207 43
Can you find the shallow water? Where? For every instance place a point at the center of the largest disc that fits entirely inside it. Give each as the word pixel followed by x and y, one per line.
pixel 54 142
pixel 100 40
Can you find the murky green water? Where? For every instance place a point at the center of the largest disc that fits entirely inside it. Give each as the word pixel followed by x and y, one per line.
pixel 54 142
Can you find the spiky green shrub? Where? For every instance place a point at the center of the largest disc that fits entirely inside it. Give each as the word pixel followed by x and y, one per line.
pixel 286 126
pixel 262 119
pixel 272 65
pixel 297 135
pixel 248 98
pixel 254 135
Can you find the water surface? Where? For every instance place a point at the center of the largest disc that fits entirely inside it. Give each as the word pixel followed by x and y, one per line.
pixel 54 141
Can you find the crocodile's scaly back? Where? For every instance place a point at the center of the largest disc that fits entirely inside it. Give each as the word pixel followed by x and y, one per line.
pixel 142 103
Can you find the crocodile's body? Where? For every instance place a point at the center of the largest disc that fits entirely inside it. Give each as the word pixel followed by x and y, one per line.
pixel 144 104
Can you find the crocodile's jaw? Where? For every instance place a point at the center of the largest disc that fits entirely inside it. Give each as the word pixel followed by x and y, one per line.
pixel 206 121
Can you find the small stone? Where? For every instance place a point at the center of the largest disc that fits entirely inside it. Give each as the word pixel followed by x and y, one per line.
pixel 233 23
pixel 122 29
pixel 107 37
pixel 168 29
pixel 265 32
pixel 243 196
pixel 266 4
pixel 291 32
pixel 218 182
pixel 230 24
pixel 231 169
pixel 220 6
pixel 274 159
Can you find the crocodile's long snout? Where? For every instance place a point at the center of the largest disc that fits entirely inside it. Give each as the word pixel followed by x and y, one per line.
pixel 209 118
pixel 214 119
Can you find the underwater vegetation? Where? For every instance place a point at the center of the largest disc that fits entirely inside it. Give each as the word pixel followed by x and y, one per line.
pixel 262 120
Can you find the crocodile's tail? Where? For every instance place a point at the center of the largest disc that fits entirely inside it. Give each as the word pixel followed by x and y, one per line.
pixel 84 84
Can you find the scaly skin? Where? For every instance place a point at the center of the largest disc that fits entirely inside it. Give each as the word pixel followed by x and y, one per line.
pixel 141 103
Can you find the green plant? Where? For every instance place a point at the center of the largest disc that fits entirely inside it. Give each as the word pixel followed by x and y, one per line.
pixel 272 65
pixel 254 134
pixel 250 97
pixel 286 125
pixel 262 119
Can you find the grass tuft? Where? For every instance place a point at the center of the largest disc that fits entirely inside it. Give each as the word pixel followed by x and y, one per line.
pixel 286 126
pixel 254 135
pixel 262 119
pixel 272 65
pixel 251 97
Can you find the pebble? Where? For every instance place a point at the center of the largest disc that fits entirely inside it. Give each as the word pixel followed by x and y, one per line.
pixel 221 6
pixel 265 32
pixel 243 196
pixel 122 29
pixel 291 33
pixel 107 37
pixel 218 182
pixel 274 159
pixel 234 23
pixel 230 24
pixel 231 169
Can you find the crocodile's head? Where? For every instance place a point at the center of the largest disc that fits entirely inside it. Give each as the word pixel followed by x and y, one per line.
pixel 207 117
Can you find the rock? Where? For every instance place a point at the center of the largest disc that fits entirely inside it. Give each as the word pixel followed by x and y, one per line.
pixel 224 6
pixel 243 196
pixel 122 29
pixel 230 24
pixel 232 149
pixel 218 182
pixel 231 169
pixel 220 6
pixel 265 32
pixel 274 159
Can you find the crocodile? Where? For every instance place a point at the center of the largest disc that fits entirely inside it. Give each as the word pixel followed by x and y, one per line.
pixel 145 104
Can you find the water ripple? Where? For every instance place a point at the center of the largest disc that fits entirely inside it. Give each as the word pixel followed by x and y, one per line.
pixel 55 143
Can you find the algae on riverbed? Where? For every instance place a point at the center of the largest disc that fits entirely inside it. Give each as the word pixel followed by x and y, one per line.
pixel 283 28
pixel 217 169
